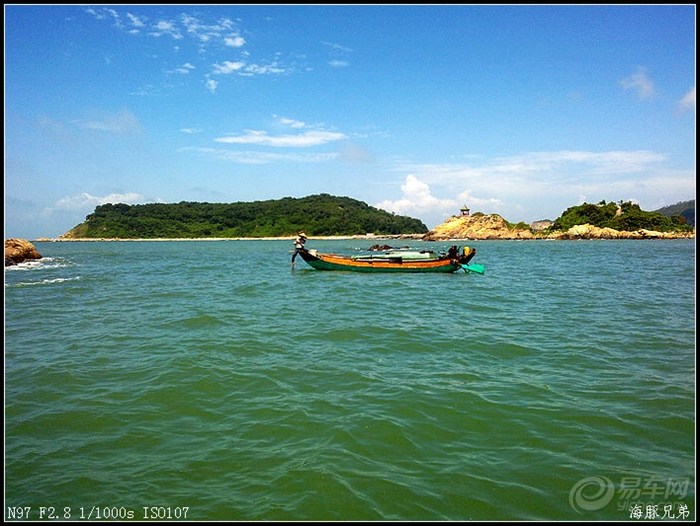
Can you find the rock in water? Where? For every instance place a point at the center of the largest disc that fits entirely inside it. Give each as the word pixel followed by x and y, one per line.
pixel 18 250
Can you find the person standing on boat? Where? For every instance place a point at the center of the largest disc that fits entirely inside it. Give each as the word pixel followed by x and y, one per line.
pixel 298 245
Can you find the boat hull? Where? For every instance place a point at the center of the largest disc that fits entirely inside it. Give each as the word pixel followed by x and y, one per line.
pixel 335 262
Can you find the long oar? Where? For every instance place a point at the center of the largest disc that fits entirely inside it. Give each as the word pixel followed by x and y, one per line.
pixel 475 267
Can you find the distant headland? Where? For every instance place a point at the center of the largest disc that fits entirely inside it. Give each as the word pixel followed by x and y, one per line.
pixel 493 226
pixel 325 216
pixel 621 220
pixel 317 215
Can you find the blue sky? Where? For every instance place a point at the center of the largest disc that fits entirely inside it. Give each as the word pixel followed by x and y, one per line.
pixel 522 111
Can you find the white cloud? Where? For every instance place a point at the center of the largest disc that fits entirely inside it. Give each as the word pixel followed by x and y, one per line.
pixel 222 32
pixel 337 47
pixel 417 199
pixel 227 67
pixel 473 202
pixel 211 85
pixel 256 69
pixel 687 103
pixel 205 33
pixel 106 13
pixel 136 21
pixel 208 36
pixel 185 68
pixel 640 83
pixel 85 200
pixel 302 140
pixel 166 27
pixel 234 41
pixel 254 157
pixel 292 123
pixel 354 153
pixel 337 54
pixel 571 161
pixel 144 91
pixel 122 122
pixel 564 166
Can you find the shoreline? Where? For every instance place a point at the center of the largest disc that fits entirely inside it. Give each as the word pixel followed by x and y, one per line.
pixel 277 238
pixel 648 235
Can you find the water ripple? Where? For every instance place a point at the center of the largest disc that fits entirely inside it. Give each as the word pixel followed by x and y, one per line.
pixel 143 373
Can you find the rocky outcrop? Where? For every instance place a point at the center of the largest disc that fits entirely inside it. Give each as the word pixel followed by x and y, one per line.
pixel 19 250
pixel 477 226
pixel 539 226
pixel 593 232
pixel 493 226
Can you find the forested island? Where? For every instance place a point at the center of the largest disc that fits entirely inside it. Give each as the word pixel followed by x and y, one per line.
pixel 317 215
pixel 324 215
pixel 627 216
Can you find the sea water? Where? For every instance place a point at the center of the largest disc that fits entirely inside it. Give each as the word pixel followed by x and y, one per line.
pixel 207 380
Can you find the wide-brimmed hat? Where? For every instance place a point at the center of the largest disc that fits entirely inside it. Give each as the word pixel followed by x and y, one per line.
pixel 302 234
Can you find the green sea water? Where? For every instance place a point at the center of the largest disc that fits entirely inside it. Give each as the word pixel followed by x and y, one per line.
pixel 207 380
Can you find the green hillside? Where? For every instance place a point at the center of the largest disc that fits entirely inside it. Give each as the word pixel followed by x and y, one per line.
pixel 317 215
pixel 685 209
pixel 619 216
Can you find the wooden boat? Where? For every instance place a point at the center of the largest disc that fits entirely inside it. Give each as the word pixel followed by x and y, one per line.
pixel 395 261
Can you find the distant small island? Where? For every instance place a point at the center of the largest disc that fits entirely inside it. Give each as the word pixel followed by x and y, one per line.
pixel 327 216
pixel 621 220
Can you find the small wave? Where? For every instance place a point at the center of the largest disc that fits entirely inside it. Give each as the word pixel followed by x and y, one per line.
pixel 44 282
pixel 39 264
